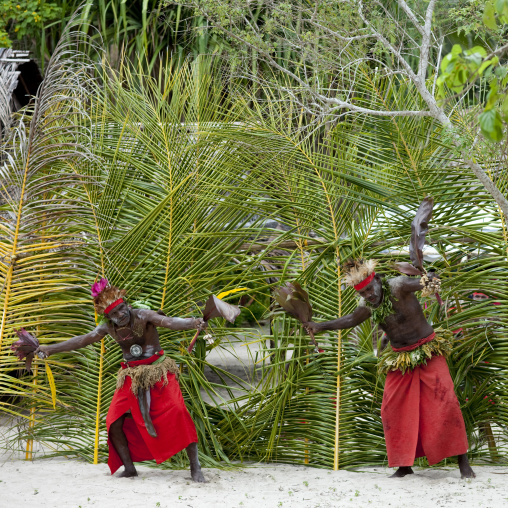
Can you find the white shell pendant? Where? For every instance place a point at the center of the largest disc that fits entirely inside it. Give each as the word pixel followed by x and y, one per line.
pixel 136 350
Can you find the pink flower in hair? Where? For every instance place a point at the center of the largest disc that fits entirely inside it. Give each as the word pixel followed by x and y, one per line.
pixel 98 287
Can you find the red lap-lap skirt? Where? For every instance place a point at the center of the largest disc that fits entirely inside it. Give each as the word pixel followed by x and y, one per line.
pixel 171 420
pixel 421 415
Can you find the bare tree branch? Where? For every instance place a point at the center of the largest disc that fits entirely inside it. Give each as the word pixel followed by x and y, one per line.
pixel 410 14
pixel 337 34
pixel 438 62
pixel 254 48
pixel 498 51
pixel 327 101
pixel 395 22
pixel 382 39
pixel 425 46
pixel 375 112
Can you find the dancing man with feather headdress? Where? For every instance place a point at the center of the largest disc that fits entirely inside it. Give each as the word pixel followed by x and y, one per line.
pixel 147 419
pixel 420 411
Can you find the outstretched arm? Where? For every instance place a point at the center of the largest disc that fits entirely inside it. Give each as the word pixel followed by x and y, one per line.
pixel 173 323
pixel 74 343
pixel 359 315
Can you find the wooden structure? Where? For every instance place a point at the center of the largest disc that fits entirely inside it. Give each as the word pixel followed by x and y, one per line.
pixel 19 80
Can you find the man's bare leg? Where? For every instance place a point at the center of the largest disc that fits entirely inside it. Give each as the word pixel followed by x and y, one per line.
pixel 195 466
pixel 465 469
pixel 117 436
pixel 402 471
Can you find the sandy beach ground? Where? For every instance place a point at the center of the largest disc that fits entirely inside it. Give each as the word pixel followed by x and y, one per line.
pixel 58 483
pixel 63 483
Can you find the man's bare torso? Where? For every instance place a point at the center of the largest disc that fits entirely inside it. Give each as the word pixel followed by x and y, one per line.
pixel 139 331
pixel 407 325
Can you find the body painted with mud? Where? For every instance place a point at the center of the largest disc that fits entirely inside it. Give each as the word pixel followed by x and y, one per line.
pixel 404 327
pixel 130 327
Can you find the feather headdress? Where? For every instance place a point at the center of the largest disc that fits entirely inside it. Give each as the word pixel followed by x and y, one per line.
pixel 358 271
pixel 106 297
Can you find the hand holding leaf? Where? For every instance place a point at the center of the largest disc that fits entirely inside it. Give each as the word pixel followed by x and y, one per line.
pixel 419 230
pixel 215 307
pixel 295 301
pixel 25 347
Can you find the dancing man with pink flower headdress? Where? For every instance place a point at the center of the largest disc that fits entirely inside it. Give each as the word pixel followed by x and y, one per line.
pixel 147 419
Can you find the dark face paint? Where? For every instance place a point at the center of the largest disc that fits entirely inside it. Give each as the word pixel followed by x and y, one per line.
pixel 120 315
pixel 373 293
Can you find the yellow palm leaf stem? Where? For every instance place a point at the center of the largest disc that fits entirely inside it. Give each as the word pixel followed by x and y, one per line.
pixel 306 460
pixel 99 388
pixel 8 280
pixel 99 393
pixel 339 334
pixel 103 348
pixel 30 442
pixel 306 453
pixel 339 366
pixel 13 256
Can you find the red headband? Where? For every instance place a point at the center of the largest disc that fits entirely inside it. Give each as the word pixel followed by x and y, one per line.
pixel 365 282
pixel 111 306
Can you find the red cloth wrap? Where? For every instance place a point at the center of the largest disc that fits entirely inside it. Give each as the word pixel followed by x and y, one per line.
pixel 173 423
pixel 421 415
pixel 421 342
pixel 146 361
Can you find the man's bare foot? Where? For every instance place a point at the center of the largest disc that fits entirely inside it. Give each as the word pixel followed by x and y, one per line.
pixel 465 469
pixel 128 473
pixel 197 475
pixel 467 473
pixel 401 472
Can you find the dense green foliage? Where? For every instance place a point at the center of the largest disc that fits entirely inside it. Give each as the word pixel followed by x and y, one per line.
pixel 126 28
pixel 461 69
pixel 24 19
pixel 164 181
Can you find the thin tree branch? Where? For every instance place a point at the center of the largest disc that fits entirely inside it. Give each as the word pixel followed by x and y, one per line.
pixel 387 45
pixel 395 22
pixel 341 107
pixel 257 49
pixel 498 51
pixel 425 46
pixel 437 67
pixel 338 35
pixel 410 14
pixel 305 86
pixel 375 112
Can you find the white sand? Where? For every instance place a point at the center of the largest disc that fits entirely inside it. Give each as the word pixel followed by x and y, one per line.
pixel 73 484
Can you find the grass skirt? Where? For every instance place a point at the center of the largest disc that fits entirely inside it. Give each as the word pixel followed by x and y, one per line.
pixel 391 360
pixel 147 376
